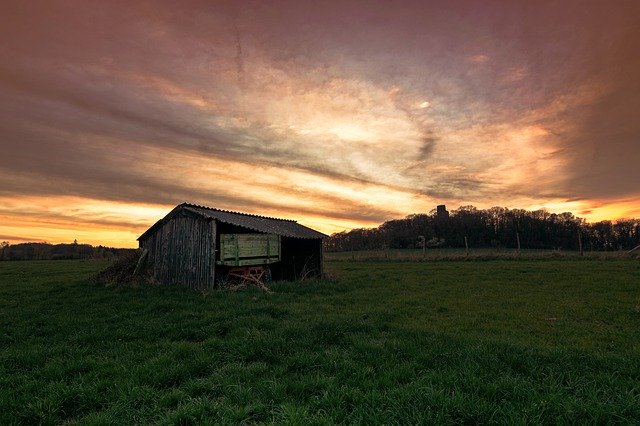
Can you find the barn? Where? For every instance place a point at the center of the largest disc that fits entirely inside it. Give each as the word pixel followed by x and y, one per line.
pixel 200 247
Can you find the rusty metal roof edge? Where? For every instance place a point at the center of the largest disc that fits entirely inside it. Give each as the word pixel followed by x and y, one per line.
pixel 234 212
pixel 313 230
pixel 191 207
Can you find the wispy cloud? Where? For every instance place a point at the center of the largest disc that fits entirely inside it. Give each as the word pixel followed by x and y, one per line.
pixel 478 59
pixel 340 119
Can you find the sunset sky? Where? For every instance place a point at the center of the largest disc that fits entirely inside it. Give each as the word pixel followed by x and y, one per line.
pixel 337 114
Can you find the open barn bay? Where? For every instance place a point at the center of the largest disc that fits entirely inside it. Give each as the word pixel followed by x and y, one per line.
pixel 534 341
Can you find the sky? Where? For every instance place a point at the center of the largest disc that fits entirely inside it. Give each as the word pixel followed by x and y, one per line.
pixel 338 114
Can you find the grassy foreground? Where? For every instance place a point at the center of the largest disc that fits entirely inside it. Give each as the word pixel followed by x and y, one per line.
pixel 447 342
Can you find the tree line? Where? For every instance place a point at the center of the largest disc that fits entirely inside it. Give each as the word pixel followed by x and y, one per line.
pixel 496 227
pixel 46 251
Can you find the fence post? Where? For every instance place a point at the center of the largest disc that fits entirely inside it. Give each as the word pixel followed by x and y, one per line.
pixel 580 242
pixel 423 241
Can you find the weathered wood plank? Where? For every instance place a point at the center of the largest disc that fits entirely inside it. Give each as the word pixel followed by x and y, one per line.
pixel 236 248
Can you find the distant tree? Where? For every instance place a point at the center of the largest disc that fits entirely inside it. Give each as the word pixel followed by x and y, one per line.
pixel 495 227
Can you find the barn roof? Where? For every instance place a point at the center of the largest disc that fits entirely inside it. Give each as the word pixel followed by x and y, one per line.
pixel 269 225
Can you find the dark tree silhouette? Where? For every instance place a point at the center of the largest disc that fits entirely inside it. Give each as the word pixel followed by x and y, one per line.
pixel 497 227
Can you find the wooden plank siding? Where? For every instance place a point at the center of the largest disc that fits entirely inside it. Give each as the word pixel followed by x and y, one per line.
pixel 182 252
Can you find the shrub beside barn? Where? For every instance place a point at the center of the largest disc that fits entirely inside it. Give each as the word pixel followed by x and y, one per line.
pixel 199 247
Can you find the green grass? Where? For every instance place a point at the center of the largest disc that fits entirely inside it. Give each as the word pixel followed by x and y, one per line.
pixel 457 254
pixel 394 342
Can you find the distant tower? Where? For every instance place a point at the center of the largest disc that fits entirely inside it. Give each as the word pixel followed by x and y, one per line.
pixel 441 212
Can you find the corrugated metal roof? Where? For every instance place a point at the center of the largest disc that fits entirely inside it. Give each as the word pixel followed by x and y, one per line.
pixel 269 225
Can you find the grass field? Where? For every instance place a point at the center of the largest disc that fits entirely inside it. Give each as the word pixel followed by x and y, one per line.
pixel 528 341
pixel 460 254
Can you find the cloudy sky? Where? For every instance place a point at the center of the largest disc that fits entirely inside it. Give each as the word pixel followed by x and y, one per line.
pixel 338 114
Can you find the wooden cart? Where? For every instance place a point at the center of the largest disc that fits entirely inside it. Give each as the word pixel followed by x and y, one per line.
pixel 248 257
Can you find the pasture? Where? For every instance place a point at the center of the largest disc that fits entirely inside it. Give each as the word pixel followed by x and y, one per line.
pixel 493 341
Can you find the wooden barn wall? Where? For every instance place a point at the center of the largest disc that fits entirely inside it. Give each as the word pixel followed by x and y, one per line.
pixel 181 252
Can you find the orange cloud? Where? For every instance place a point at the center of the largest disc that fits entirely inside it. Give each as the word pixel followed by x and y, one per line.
pixel 294 117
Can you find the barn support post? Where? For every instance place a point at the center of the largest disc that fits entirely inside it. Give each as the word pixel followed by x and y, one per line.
pixel 321 261
pixel 212 254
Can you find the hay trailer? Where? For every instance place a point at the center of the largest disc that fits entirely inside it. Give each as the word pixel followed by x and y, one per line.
pixel 248 256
